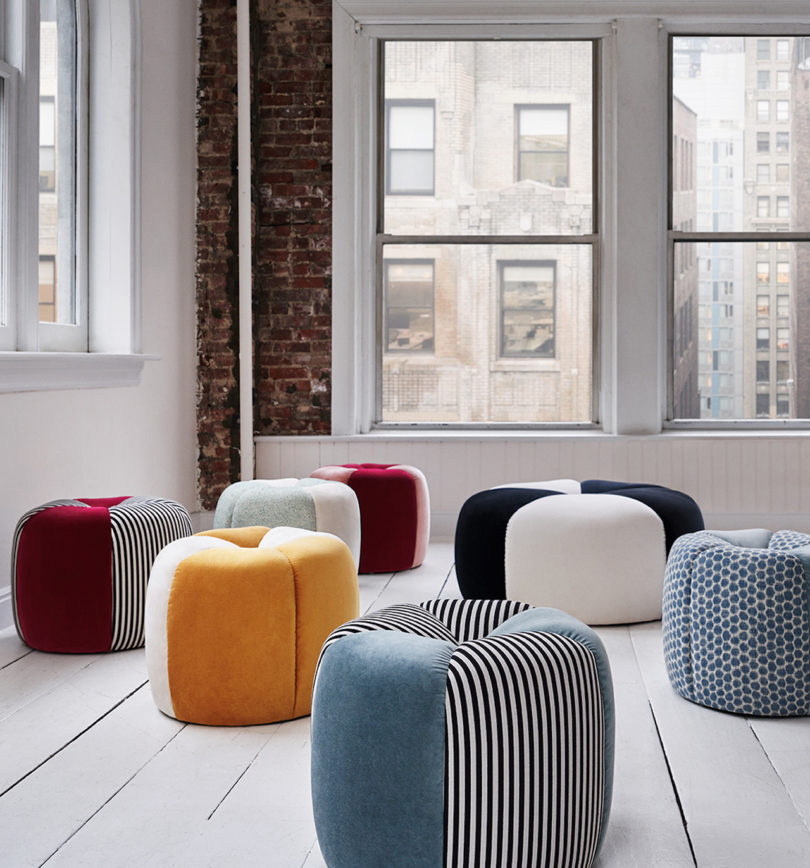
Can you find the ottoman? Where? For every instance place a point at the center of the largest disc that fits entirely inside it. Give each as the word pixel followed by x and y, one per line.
pixel 462 733
pixel 79 570
pixel 394 513
pixel 595 549
pixel 235 619
pixel 312 504
pixel 736 623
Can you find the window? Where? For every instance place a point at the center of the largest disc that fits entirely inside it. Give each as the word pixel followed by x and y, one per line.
pixel 783 49
pixel 763 110
pixel 782 405
pixel 782 79
pixel 782 173
pixel 782 370
pixel 47 144
pixel 782 273
pixel 410 150
pixel 527 309
pixel 763 273
pixel 763 404
pixel 69 133
pixel 763 305
pixel 409 306
pixel 763 79
pixel 472 329
pixel 763 370
pixel 763 173
pixel 783 206
pixel 782 142
pixel 763 339
pixel 763 143
pixel 763 49
pixel 763 206
pixel 542 136
pixel 782 305
pixel 782 110
pixel 783 339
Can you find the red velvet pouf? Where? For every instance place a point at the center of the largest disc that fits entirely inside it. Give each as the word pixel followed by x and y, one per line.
pixel 79 570
pixel 394 513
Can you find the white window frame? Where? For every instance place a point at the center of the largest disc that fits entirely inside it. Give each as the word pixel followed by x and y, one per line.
pixel 633 306
pixel 108 205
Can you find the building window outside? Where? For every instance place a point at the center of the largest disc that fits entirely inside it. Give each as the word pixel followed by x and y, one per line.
pixel 763 110
pixel 782 173
pixel 527 309
pixel 763 143
pixel 763 173
pixel 542 143
pixel 47 144
pixel 763 407
pixel 763 339
pixel 782 273
pixel 782 405
pixel 782 142
pixel 763 79
pixel 763 49
pixel 782 111
pixel 410 147
pixel 782 339
pixel 782 79
pixel 47 288
pixel 763 273
pixel 783 206
pixel 782 49
pixel 763 305
pixel 409 287
pixel 782 370
pixel 782 305
pixel 763 206
pixel 763 370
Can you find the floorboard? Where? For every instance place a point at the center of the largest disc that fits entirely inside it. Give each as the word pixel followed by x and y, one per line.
pixel 92 774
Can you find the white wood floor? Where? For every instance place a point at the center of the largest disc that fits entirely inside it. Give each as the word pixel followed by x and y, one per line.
pixel 91 774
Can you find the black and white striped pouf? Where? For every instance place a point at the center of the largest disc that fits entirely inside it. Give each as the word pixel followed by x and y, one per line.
pixel 464 733
pixel 79 570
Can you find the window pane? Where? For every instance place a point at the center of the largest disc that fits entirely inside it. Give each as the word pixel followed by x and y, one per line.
pixel 723 99
pixel 57 137
pixel 409 306
pixel 494 128
pixel 410 126
pixel 739 337
pixel 511 337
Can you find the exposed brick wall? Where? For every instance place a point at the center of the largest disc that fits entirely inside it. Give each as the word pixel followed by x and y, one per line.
pixel 292 140
pixel 217 265
pixel 292 184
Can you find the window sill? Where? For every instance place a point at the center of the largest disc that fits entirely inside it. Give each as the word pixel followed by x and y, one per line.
pixel 39 372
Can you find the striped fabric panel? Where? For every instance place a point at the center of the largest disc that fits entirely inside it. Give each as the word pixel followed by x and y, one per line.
pixel 524 761
pixel 15 544
pixel 140 527
pixel 473 619
pixel 403 618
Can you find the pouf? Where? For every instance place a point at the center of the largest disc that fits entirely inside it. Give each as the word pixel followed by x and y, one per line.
pixel 312 504
pixel 462 733
pixel 595 549
pixel 394 513
pixel 79 570
pixel 235 620
pixel 736 623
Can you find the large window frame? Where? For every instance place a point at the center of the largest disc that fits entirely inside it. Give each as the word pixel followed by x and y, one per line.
pixel 634 329
pixel 103 348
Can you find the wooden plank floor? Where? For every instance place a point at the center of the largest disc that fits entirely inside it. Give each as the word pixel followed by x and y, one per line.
pixel 92 774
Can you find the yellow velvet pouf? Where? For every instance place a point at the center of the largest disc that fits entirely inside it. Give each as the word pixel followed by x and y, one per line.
pixel 235 620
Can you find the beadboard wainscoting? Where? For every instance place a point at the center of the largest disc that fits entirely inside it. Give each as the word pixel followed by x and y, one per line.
pixel 739 479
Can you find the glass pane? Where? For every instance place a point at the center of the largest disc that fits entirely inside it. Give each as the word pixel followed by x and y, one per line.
pixel 512 337
pixel 723 102
pixel 410 126
pixel 57 72
pixel 722 348
pixel 410 172
pixel 504 111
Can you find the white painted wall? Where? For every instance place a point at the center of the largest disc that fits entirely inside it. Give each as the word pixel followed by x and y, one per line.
pixel 138 440
pixel 749 479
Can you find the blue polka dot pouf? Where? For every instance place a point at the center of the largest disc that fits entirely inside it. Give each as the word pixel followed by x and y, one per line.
pixel 736 620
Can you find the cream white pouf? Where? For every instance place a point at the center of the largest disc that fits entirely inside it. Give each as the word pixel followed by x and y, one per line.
pixel 599 557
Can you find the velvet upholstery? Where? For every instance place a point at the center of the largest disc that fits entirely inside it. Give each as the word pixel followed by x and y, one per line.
pixel 80 568
pixel 415 713
pixel 394 513
pixel 236 619
pixel 482 532
pixel 311 504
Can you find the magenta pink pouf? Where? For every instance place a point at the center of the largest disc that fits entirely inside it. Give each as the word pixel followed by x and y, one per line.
pixel 394 513
pixel 79 570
